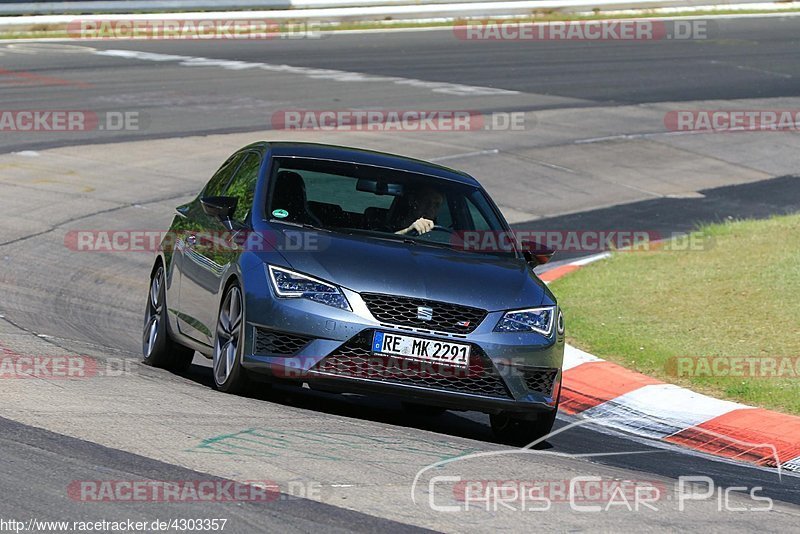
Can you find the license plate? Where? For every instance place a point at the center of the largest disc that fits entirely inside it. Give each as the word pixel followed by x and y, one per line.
pixel 431 350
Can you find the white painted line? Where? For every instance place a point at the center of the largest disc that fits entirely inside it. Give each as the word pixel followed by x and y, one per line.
pixel 573 357
pixel 591 259
pixel 792 465
pixel 317 74
pixel 629 14
pixel 467 154
pixel 645 135
pixel 659 410
pixel 382 11
pixel 774 6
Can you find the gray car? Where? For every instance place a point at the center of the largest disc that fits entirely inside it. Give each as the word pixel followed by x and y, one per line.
pixel 360 272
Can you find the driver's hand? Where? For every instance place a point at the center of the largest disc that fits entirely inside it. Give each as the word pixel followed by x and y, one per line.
pixel 421 226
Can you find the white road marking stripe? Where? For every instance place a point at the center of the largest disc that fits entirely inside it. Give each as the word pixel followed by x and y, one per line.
pixel 324 74
pixel 659 410
pixel 792 465
pixel 467 154
pixel 591 259
pixel 574 357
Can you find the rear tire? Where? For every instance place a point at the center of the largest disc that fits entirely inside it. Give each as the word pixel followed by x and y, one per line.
pixel 158 349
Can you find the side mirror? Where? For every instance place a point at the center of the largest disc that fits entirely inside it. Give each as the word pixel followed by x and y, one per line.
pixel 537 254
pixel 220 207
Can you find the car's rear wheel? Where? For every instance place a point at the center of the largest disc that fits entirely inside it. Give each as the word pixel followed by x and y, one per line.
pixel 229 375
pixel 158 349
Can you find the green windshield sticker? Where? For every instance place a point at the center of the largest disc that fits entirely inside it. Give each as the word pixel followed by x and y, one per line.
pixel 280 214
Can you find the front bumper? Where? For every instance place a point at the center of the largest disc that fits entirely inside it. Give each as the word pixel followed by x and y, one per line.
pixel 301 340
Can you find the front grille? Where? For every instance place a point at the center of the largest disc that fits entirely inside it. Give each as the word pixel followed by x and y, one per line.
pixel 403 311
pixel 540 379
pixel 281 343
pixel 355 359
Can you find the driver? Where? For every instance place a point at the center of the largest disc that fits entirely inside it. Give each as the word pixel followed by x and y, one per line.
pixel 423 206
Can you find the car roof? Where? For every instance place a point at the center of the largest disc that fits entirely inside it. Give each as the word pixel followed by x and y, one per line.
pixel 365 157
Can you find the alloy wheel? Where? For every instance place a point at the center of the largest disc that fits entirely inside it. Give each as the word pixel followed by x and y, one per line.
pixel 153 314
pixel 229 327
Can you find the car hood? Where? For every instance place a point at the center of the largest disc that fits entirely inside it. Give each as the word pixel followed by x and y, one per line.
pixel 365 264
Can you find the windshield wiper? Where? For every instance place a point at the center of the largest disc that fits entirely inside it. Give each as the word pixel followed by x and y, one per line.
pixel 302 225
pixel 396 237
pixel 436 244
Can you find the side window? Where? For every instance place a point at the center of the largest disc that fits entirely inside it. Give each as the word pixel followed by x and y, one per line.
pixel 243 186
pixel 216 185
pixel 479 222
pixel 444 217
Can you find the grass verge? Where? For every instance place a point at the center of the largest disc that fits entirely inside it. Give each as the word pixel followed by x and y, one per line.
pixel 658 311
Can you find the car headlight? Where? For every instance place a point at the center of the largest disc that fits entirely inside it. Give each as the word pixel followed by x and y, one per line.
pixel 531 320
pixel 289 284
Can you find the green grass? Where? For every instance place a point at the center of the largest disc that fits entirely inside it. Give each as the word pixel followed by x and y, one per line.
pixel 59 30
pixel 740 296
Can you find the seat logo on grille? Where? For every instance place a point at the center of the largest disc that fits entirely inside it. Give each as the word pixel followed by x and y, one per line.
pixel 424 313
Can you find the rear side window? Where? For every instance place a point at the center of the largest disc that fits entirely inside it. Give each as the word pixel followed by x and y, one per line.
pixel 222 177
pixel 243 186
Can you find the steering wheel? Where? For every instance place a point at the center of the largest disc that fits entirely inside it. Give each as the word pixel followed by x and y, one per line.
pixel 439 228
pixel 436 228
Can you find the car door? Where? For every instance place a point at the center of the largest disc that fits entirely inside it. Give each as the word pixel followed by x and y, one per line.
pixel 213 248
pixel 190 266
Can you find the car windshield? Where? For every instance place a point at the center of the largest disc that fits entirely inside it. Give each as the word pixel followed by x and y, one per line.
pixel 383 203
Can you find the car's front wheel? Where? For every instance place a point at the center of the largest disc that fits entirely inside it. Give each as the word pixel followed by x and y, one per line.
pixel 518 431
pixel 229 375
pixel 158 349
pixel 425 410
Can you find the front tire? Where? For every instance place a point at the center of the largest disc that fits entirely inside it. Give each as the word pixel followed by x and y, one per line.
pixel 229 375
pixel 158 349
pixel 520 432
pixel 424 410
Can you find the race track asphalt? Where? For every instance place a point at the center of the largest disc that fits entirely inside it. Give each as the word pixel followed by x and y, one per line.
pixel 594 155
